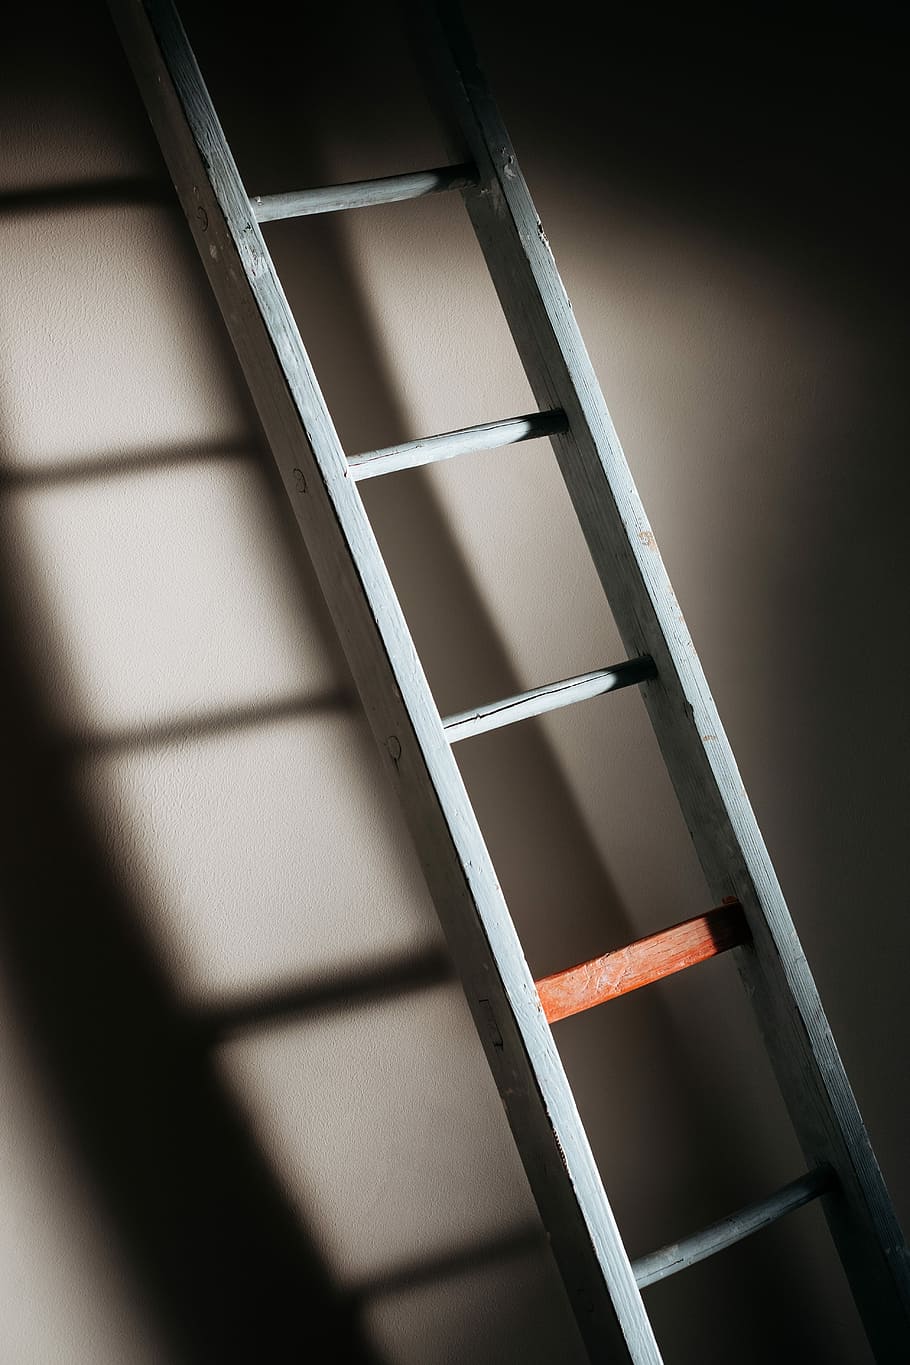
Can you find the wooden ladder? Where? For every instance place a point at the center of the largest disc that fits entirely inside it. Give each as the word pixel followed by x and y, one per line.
pixel 512 1012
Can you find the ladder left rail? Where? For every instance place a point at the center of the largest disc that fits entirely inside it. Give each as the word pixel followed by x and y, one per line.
pixel 408 729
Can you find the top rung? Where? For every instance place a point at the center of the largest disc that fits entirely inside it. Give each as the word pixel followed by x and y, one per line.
pixel 360 194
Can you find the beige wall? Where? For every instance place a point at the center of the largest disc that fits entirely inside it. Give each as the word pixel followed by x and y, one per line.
pixel 194 823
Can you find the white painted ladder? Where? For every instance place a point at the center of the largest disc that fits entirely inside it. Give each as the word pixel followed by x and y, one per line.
pixel 416 741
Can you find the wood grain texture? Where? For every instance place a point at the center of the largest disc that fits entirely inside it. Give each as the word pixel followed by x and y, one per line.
pixel 360 194
pixel 467 440
pixel 752 1218
pixel 699 760
pixel 418 759
pixel 641 963
pixel 550 697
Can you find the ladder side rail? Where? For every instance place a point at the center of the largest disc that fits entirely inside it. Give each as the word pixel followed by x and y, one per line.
pixel 702 768
pixel 501 994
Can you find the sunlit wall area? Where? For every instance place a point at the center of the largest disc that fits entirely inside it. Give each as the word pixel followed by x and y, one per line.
pixel 245 1109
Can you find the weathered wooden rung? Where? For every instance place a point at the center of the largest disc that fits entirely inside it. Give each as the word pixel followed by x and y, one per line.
pixel 658 1265
pixel 638 964
pixel 487 436
pixel 361 194
pixel 548 698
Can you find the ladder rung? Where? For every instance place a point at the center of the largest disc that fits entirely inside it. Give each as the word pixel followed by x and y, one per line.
pixel 658 1265
pixel 549 698
pixel 360 194
pixel 487 436
pixel 640 963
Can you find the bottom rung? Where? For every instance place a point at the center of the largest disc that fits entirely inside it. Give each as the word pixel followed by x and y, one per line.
pixel 679 1255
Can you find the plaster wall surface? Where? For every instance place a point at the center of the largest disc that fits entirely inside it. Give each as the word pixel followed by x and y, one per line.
pixel 245 1115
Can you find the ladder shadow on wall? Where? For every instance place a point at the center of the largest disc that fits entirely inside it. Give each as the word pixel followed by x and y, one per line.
pixel 223 1261
pixel 199 1219
pixel 124 1060
pixel 127 1079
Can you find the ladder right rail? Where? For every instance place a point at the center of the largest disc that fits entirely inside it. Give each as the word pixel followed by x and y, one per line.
pixel 695 749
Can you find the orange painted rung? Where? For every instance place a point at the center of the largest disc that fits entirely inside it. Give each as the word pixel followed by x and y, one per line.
pixel 604 978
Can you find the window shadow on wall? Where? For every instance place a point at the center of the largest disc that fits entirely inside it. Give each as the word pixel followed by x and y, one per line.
pixel 195 1203
pixel 200 1220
